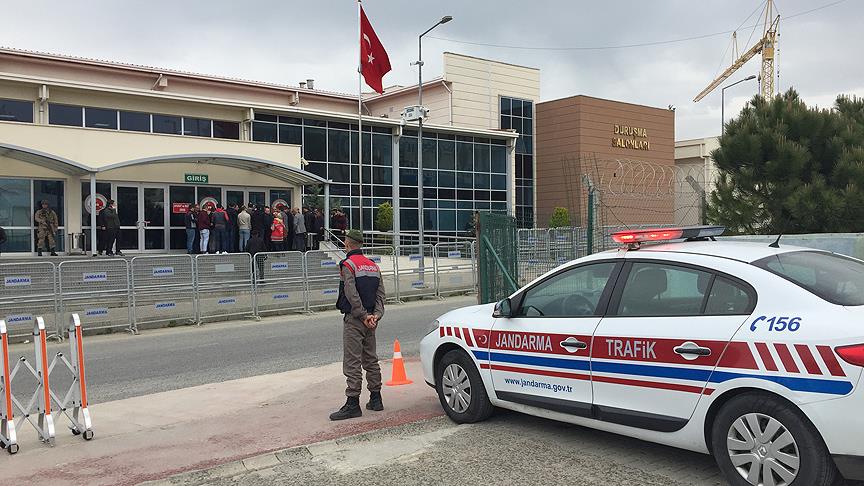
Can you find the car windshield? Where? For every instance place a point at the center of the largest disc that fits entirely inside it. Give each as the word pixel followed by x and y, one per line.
pixel 837 279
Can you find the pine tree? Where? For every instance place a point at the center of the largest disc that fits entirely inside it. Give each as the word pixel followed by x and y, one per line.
pixel 560 218
pixel 787 168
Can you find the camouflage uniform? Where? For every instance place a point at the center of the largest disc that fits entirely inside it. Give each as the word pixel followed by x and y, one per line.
pixel 46 228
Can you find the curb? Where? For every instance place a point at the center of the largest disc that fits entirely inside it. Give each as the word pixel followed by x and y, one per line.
pixel 250 464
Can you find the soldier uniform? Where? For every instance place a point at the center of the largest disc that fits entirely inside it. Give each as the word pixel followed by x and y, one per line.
pixel 361 295
pixel 46 227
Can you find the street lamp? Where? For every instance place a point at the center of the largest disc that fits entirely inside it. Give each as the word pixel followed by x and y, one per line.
pixel 723 101
pixel 419 63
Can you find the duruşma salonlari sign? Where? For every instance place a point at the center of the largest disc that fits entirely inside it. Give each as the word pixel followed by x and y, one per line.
pixel 637 138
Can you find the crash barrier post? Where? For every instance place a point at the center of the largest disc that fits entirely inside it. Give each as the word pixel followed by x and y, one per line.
pixel 163 289
pixel 29 290
pixel 98 291
pixel 224 285
pixel 279 282
pixel 8 437
pixel 454 268
pixel 40 402
pixel 415 269
pixel 322 278
pixel 75 397
pixel 385 257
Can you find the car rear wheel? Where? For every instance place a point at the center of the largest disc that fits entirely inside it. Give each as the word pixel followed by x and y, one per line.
pixel 460 389
pixel 759 440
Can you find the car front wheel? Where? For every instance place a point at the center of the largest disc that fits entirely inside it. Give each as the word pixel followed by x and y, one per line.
pixel 759 440
pixel 460 389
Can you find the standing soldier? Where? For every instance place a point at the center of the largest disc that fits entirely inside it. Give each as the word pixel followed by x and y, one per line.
pixel 361 300
pixel 46 228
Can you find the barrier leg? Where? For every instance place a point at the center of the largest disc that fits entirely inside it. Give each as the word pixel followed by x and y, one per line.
pixel 45 427
pixel 8 437
pixel 76 397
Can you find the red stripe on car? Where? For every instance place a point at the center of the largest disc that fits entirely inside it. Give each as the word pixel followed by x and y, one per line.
pixel 808 360
pixel 830 361
pixel 786 358
pixel 765 354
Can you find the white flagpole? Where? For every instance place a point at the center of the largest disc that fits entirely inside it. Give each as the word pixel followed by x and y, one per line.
pixel 360 108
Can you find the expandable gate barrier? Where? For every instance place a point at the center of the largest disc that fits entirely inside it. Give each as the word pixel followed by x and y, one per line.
pixel 43 402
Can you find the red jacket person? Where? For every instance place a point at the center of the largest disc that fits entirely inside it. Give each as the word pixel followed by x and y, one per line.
pixel 361 300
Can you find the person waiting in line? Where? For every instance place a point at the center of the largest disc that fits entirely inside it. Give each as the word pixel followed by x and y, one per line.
pixel 100 231
pixel 339 223
pixel 111 220
pixel 254 246
pixel 309 222
pixel 319 228
pixel 46 228
pixel 277 234
pixel 268 223
pixel 299 231
pixel 257 219
pixel 191 225
pixel 233 235
pixel 244 227
pixel 203 222
pixel 221 228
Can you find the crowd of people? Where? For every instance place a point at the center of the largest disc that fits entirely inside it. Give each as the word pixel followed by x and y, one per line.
pixel 252 229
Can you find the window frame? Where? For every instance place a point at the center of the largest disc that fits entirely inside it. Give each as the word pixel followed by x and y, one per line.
pixel 518 299
pixel 615 300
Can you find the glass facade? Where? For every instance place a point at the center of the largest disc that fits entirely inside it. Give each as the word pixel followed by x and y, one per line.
pixel 519 115
pixel 19 200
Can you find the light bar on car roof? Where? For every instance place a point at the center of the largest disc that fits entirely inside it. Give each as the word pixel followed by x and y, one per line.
pixel 667 234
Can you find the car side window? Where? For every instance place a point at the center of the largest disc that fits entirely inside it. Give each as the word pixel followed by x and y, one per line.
pixel 572 293
pixel 656 289
pixel 727 298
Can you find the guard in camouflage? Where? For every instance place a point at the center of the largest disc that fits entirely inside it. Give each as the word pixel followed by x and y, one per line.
pixel 46 228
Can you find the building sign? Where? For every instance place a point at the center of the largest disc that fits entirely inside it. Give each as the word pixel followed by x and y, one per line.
pixel 279 204
pixel 101 202
pixel 180 208
pixel 636 138
pixel 196 178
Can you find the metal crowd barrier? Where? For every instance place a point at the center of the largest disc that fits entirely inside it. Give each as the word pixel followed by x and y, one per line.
pixel 455 269
pixel 415 270
pixel 98 291
pixel 224 286
pixel 385 257
pixel 29 290
pixel 322 278
pixel 163 289
pixel 280 284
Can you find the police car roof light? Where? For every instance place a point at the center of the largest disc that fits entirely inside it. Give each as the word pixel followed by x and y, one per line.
pixel 667 234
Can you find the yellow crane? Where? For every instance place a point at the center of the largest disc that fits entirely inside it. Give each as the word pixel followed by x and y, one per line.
pixel 767 45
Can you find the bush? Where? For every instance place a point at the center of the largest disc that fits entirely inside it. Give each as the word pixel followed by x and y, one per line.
pixel 560 218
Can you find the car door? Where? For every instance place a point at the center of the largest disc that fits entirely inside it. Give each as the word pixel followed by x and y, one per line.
pixel 667 326
pixel 541 355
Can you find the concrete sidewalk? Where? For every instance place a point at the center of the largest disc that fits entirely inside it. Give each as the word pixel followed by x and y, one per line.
pixel 155 436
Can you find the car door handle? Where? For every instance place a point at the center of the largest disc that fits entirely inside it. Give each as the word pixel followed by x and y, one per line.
pixel 573 343
pixel 692 349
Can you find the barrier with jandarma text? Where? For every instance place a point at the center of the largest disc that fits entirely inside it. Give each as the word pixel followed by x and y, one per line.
pixel 98 291
pixel 385 258
pixel 224 286
pixel 163 289
pixel 322 278
pixel 279 282
pixel 415 269
pixel 455 269
pixel 29 290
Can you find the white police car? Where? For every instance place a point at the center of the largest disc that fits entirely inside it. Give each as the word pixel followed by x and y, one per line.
pixel 748 351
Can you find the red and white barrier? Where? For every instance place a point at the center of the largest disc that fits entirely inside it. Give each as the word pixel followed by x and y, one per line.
pixel 8 437
pixel 75 397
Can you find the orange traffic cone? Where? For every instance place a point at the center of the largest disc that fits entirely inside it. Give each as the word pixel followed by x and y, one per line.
pixel 399 376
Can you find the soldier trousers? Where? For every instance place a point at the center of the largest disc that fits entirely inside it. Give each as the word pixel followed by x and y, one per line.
pixel 360 353
pixel 42 236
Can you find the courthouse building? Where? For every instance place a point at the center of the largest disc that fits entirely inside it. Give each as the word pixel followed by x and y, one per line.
pixel 156 140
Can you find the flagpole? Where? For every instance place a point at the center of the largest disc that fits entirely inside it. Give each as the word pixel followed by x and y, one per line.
pixel 360 108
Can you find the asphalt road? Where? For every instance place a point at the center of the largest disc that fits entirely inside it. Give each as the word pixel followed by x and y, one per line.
pixel 122 366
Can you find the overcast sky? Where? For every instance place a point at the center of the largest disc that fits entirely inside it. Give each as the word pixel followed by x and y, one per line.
pixel 287 41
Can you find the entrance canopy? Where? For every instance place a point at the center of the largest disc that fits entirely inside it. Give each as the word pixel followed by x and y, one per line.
pixel 49 161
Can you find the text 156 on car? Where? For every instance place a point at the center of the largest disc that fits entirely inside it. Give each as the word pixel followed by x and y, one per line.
pixel 747 351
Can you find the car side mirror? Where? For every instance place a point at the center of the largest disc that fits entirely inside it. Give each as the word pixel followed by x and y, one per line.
pixel 503 309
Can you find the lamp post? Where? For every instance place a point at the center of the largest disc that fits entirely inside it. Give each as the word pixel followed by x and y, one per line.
pixel 723 101
pixel 419 63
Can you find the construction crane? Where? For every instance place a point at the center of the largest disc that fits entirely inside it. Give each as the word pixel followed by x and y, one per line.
pixel 767 45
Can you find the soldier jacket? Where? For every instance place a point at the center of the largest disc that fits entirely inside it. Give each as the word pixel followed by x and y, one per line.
pixel 46 220
pixel 361 289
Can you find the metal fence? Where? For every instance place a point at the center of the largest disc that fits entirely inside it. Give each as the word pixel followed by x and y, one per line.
pixel 163 289
pixel 455 267
pixel 98 291
pixel 415 271
pixel 224 286
pixel 280 284
pixel 322 278
pixel 385 257
pixel 29 290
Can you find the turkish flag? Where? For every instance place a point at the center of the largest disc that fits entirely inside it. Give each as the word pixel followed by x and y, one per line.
pixel 373 58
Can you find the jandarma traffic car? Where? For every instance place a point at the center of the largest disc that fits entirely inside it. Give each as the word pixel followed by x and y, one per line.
pixel 748 351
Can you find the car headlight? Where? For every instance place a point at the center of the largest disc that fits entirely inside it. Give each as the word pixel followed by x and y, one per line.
pixel 433 326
